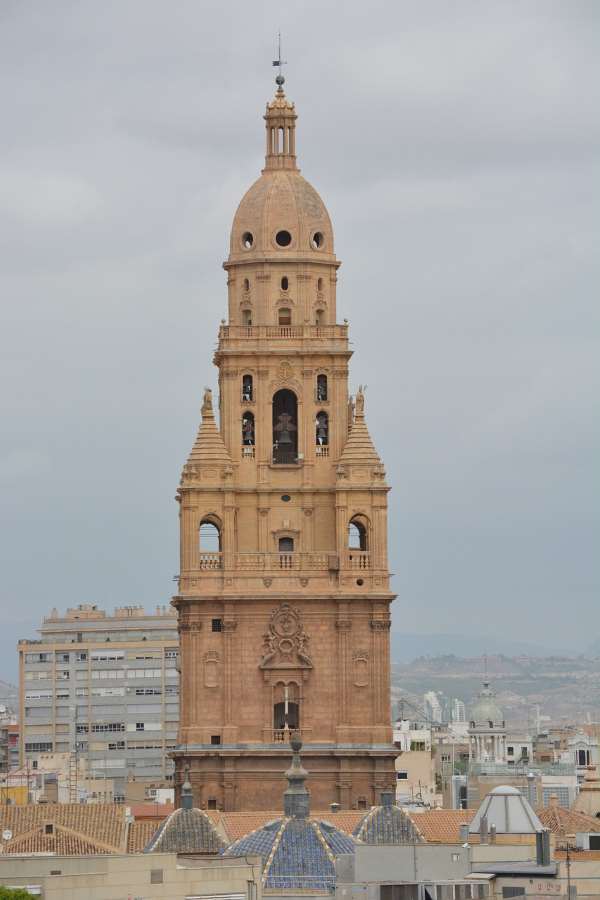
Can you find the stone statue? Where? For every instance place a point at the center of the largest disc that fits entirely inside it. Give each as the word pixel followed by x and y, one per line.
pixel 207 406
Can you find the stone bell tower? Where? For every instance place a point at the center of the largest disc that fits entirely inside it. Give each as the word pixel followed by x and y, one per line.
pixel 284 594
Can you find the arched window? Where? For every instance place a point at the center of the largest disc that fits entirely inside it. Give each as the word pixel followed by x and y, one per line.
pixel 209 544
pixel 319 284
pixel 247 388
pixel 321 388
pixel 286 709
pixel 247 317
pixel 357 534
pixel 319 317
pixel 284 283
pixel 246 284
pixel 286 545
pixel 322 429
pixel 285 427
pixel 285 316
pixel 248 429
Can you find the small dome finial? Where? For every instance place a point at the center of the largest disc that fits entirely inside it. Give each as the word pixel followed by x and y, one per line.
pixel 296 799
pixel 279 62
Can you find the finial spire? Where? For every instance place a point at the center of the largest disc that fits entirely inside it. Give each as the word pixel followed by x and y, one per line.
pixel 296 799
pixel 187 798
pixel 279 62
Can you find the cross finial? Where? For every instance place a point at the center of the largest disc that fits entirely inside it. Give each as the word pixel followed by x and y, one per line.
pixel 279 62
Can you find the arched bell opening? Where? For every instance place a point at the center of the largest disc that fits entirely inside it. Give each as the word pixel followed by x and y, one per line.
pixel 358 534
pixel 209 543
pixel 248 429
pixel 322 429
pixel 322 389
pixel 285 427
pixel 247 389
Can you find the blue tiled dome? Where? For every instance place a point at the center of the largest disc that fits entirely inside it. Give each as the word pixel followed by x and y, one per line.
pixel 387 824
pixel 298 852
pixel 186 830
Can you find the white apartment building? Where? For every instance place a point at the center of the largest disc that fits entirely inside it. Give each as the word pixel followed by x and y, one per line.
pixel 103 687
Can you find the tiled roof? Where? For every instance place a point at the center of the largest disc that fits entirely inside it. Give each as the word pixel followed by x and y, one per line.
pixel 441 826
pixel 186 831
pixel 298 853
pixel 563 821
pixel 149 810
pixel 237 824
pixel 139 835
pixel 387 825
pixel 100 827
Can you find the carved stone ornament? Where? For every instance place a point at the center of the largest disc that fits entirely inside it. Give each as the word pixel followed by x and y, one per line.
pixel 285 644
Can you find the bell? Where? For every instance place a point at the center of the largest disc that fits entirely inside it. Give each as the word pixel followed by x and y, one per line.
pixel 284 437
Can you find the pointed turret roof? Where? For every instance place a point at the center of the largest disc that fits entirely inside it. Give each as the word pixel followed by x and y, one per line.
pixel 359 448
pixel 209 448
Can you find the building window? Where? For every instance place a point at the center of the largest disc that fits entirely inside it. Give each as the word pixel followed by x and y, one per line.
pixel 321 388
pixel 246 284
pixel 402 776
pixel 285 316
pixel 217 625
pixel 215 739
pixel 286 545
pixel 361 803
pixel 247 317
pixel 284 283
pixel 319 284
pixel 210 537
pixel 156 876
pixel 212 803
pixel 247 388
pixel 357 534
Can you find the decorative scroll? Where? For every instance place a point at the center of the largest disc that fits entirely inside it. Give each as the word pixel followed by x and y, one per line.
pixel 285 644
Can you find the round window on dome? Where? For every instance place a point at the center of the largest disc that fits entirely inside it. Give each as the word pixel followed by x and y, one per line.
pixel 247 240
pixel 283 239
pixel 317 240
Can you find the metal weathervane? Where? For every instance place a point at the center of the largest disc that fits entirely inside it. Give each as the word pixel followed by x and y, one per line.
pixel 279 62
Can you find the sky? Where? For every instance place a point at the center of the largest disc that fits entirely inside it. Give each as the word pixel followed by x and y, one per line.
pixel 456 146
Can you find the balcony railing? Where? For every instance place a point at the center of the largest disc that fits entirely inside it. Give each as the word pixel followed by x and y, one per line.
pixel 283 735
pixel 247 451
pixel 258 562
pixel 210 560
pixel 358 559
pixel 286 562
pixel 322 450
pixel 283 332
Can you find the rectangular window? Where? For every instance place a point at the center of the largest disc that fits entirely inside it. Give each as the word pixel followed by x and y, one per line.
pixel 63 675
pixel 217 624
pixel 38 747
pixel 215 738
pixel 81 657
pixel 402 776
pixel 171 654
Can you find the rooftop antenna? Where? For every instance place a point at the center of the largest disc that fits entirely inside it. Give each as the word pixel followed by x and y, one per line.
pixel 279 62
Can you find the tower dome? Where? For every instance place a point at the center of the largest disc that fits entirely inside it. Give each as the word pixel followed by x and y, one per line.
pixel 486 710
pixel 281 216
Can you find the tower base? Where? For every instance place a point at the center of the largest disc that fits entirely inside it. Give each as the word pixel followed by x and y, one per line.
pixel 238 778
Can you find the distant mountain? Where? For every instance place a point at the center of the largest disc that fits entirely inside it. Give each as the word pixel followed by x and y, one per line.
pixel 407 647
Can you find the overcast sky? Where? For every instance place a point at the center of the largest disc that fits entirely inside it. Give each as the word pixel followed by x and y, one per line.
pixel 456 147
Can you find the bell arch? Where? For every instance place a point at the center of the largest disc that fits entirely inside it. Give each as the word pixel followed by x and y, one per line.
pixel 285 427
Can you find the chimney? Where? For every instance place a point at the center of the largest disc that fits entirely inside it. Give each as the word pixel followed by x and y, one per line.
pixel 542 847
pixel 483 830
pixel 464 833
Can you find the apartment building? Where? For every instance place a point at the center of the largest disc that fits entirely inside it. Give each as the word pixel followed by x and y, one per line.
pixel 105 688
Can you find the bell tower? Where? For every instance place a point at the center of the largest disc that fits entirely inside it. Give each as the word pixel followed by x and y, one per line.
pixel 283 596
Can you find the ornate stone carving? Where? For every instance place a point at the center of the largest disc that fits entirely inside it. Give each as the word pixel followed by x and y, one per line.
pixel 360 664
pixel 380 625
pixel 285 644
pixel 211 669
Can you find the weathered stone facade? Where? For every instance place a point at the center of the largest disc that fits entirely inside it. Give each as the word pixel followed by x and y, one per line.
pixel 284 620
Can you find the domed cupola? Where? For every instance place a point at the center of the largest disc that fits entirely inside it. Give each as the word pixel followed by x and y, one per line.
pixel 487 729
pixel 281 217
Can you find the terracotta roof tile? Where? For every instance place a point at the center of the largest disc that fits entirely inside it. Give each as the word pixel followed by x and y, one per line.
pixel 100 828
pixel 237 824
pixel 441 825
pixel 139 835
pixel 563 821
